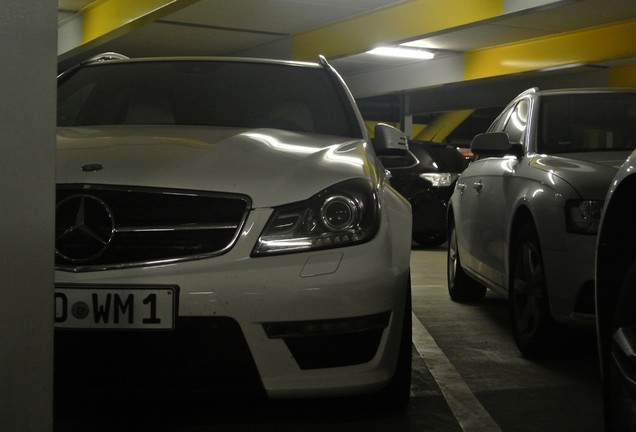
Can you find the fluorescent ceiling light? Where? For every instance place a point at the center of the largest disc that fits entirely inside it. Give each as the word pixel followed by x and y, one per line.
pixel 402 52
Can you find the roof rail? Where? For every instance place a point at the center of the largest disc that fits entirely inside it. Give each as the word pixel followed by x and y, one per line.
pixel 104 57
pixel 323 61
pixel 529 91
pixel 107 56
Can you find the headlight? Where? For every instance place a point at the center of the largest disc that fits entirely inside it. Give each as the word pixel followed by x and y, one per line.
pixel 342 215
pixel 439 179
pixel 583 217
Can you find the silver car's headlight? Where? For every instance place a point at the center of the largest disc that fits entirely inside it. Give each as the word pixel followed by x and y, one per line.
pixel 342 215
pixel 439 179
pixel 583 216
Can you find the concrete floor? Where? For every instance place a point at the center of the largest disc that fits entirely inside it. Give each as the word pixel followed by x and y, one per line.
pixel 467 376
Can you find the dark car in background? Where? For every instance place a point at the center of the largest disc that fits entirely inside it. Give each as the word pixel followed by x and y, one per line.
pixel 427 180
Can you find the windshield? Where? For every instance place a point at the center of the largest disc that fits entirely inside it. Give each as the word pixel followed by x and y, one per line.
pixel 587 122
pixel 207 93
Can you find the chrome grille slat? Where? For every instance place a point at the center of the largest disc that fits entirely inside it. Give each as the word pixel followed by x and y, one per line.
pixel 149 226
pixel 177 228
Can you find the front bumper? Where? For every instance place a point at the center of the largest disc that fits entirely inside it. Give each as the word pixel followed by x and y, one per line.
pixel 201 355
pixel 570 280
pixel 228 304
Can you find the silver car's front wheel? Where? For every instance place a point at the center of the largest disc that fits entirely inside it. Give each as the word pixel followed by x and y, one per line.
pixel 530 313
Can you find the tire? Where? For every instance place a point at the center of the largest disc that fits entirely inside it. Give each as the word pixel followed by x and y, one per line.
pixel 461 287
pixel 395 396
pixel 618 393
pixel 533 328
pixel 428 239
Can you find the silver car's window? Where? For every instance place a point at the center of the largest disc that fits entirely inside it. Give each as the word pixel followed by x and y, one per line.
pixel 500 121
pixel 587 122
pixel 235 94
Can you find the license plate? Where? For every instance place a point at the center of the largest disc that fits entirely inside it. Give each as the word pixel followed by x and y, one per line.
pixel 115 308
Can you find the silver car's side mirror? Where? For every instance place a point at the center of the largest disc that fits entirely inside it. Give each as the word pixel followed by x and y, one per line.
pixel 495 144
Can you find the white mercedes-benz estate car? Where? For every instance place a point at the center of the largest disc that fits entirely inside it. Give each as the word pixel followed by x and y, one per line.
pixel 225 224
pixel 524 215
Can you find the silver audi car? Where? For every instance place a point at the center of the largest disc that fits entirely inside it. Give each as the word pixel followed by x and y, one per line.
pixel 524 215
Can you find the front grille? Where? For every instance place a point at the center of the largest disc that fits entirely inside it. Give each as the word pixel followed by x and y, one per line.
pixel 101 227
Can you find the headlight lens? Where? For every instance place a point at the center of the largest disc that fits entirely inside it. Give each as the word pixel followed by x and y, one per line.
pixel 583 216
pixel 439 179
pixel 342 215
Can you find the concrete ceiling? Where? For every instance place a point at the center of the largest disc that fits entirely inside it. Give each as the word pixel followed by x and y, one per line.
pixel 486 50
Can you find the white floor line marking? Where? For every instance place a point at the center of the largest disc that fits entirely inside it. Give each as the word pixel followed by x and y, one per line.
pixel 468 411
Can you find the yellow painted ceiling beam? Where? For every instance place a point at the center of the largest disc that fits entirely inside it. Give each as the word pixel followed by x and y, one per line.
pixel 595 44
pixel 394 23
pixel 443 125
pixel 622 76
pixel 111 18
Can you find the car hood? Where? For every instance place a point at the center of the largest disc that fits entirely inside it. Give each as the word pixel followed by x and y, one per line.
pixel 589 173
pixel 271 166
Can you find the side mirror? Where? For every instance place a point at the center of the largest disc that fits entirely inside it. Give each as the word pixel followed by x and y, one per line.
pixel 495 144
pixel 391 146
pixel 388 137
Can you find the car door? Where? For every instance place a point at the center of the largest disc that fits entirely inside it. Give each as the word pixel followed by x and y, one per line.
pixel 486 200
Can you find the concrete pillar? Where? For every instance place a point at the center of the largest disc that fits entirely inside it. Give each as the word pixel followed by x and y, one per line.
pixel 406 117
pixel 28 35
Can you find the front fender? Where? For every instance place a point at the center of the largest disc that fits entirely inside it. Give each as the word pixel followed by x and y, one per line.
pixel 398 221
pixel 540 199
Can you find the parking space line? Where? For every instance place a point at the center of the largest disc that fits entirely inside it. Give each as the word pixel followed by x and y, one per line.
pixel 469 412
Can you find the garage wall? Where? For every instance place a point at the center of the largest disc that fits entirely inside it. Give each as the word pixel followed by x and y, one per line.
pixel 28 34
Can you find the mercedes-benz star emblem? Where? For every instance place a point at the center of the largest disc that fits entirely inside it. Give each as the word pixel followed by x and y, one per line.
pixel 84 228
